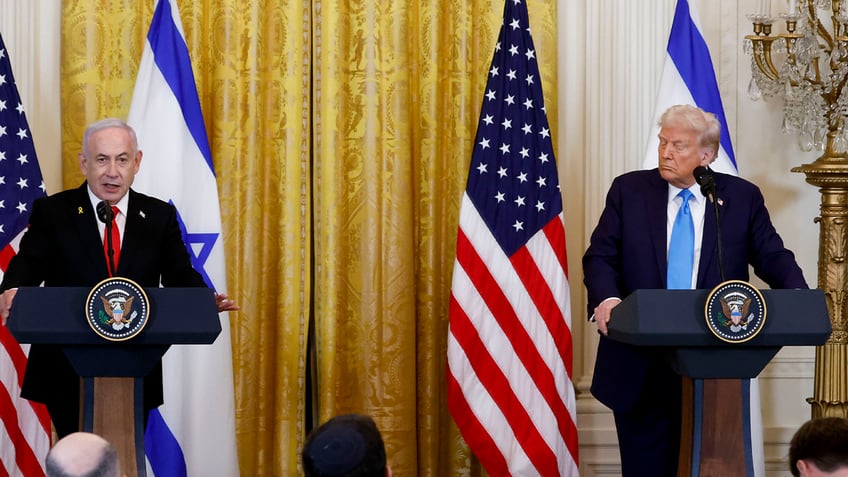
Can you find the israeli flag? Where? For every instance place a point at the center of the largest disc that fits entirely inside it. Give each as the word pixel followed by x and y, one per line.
pixel 193 433
pixel 688 78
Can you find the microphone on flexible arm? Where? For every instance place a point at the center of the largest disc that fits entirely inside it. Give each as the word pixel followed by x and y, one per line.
pixel 104 213
pixel 705 178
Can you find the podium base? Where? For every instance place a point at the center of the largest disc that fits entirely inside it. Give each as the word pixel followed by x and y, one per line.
pixel 113 409
pixel 716 430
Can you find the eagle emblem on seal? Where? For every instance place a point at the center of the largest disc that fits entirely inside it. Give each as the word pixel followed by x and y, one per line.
pixel 734 311
pixel 117 309
pixel 117 312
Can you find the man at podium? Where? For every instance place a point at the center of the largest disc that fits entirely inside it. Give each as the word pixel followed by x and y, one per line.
pixel 66 245
pixel 658 230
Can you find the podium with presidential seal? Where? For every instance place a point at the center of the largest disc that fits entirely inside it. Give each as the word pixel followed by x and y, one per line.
pixel 718 340
pixel 114 335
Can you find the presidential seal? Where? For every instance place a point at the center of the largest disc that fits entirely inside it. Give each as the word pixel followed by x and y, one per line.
pixel 735 311
pixel 116 309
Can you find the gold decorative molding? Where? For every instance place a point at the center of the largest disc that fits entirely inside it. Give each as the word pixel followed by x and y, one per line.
pixel 830 174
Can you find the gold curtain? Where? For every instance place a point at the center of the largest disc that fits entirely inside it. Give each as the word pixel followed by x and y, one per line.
pixel 341 134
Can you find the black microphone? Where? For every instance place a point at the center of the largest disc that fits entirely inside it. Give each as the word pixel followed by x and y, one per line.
pixel 708 188
pixel 707 181
pixel 105 214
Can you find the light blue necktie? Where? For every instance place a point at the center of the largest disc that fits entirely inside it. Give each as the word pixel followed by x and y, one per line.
pixel 681 249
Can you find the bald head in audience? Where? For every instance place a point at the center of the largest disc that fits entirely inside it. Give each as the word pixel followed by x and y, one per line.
pixel 82 454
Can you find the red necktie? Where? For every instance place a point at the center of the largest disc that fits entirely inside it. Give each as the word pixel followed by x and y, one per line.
pixel 116 241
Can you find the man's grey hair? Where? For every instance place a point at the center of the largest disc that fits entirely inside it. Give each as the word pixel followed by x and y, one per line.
pixel 107 123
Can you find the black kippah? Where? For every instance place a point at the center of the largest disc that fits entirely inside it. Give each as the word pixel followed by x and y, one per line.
pixel 336 450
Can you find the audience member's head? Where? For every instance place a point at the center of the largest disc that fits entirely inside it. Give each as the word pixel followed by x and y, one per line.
pixel 82 454
pixel 820 448
pixel 349 445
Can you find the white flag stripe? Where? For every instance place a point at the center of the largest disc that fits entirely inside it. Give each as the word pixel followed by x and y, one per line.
pixel 187 178
pixel 541 250
pixel 505 358
pixel 28 421
pixel 487 411
pixel 7 452
pixel 538 329
pixel 16 244
pixel 490 332
pixel 502 271
pixel 518 376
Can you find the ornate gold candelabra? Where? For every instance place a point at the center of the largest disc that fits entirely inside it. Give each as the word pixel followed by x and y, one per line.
pixel 811 80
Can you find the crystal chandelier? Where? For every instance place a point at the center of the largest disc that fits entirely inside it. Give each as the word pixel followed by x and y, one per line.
pixel 813 69
pixel 813 58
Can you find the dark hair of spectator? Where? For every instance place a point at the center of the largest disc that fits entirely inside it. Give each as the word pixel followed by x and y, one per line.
pixel 348 445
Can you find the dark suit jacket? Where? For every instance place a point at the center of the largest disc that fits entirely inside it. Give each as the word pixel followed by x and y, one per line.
pixel 62 247
pixel 627 251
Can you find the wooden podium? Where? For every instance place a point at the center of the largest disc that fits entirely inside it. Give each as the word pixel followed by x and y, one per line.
pixel 716 434
pixel 112 373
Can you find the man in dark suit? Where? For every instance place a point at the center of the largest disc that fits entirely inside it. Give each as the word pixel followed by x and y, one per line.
pixel 628 250
pixel 64 246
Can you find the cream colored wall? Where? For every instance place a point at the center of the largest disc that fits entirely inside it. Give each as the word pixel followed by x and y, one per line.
pixel 30 30
pixel 611 55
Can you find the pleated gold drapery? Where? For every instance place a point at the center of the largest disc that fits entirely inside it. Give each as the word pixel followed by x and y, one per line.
pixel 341 134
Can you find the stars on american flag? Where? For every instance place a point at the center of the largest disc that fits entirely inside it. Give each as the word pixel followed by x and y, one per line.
pixel 19 171
pixel 513 178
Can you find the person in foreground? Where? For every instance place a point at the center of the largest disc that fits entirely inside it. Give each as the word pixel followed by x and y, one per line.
pixel 348 445
pixel 82 454
pixel 819 448
pixel 629 250
pixel 64 247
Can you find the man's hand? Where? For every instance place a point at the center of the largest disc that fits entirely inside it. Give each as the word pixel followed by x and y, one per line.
pixel 603 313
pixel 223 301
pixel 6 299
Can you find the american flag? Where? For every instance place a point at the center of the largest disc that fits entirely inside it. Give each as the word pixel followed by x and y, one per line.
pixel 509 366
pixel 24 425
